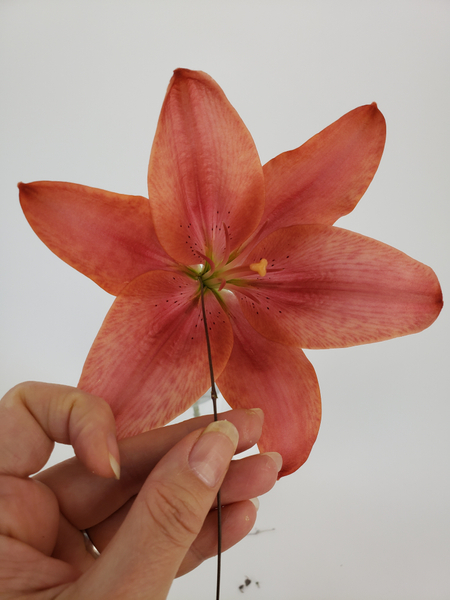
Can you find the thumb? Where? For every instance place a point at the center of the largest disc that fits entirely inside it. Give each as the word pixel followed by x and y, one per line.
pixel 143 558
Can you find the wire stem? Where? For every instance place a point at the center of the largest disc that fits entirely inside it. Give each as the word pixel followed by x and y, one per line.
pixel 214 401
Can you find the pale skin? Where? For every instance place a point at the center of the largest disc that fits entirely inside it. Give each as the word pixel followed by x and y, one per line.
pixel 153 524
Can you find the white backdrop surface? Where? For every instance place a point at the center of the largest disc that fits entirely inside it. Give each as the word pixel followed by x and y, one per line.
pixel 82 82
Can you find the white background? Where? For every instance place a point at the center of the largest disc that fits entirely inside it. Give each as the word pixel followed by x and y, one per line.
pixel 82 82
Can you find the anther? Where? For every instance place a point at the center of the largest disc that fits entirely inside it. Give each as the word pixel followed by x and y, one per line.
pixel 260 267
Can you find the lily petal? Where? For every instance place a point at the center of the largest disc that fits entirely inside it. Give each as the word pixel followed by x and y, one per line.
pixel 325 178
pixel 204 175
pixel 108 237
pixel 328 288
pixel 280 380
pixel 149 360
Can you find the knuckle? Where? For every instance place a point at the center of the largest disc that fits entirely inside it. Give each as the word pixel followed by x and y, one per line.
pixel 86 413
pixel 176 511
pixel 16 395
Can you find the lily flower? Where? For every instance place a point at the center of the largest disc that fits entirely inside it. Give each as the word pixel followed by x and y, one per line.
pixel 278 275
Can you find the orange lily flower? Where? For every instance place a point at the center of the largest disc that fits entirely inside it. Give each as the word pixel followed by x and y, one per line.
pixel 278 275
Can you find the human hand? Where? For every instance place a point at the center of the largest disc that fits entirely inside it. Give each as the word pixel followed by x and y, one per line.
pixel 153 524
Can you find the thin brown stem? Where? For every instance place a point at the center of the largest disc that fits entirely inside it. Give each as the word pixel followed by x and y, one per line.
pixel 214 400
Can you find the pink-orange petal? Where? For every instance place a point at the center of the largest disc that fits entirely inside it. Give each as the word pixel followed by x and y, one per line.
pixel 327 287
pixel 204 174
pixel 149 360
pixel 324 179
pixel 108 237
pixel 280 380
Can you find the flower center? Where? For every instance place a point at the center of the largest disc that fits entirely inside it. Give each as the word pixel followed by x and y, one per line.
pixel 216 278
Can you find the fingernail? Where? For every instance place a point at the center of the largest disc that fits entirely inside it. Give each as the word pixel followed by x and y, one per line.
pixel 255 502
pixel 277 458
pixel 114 456
pixel 114 466
pixel 257 411
pixel 211 454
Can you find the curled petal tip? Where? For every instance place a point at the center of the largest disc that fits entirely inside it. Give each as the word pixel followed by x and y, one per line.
pixel 23 187
pixel 190 74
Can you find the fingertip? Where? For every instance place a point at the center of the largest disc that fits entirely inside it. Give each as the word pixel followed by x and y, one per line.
pixel 250 509
pixel 95 454
pixel 210 456
pixel 276 457
pixel 249 423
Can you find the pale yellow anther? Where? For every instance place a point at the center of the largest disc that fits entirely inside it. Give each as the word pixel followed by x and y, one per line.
pixel 260 267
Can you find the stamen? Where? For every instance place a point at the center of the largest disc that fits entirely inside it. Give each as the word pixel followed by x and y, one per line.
pixel 260 267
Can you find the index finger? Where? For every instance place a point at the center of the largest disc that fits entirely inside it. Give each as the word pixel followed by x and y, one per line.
pixel 35 415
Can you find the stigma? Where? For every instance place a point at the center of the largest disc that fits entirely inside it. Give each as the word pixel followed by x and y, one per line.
pixel 259 267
